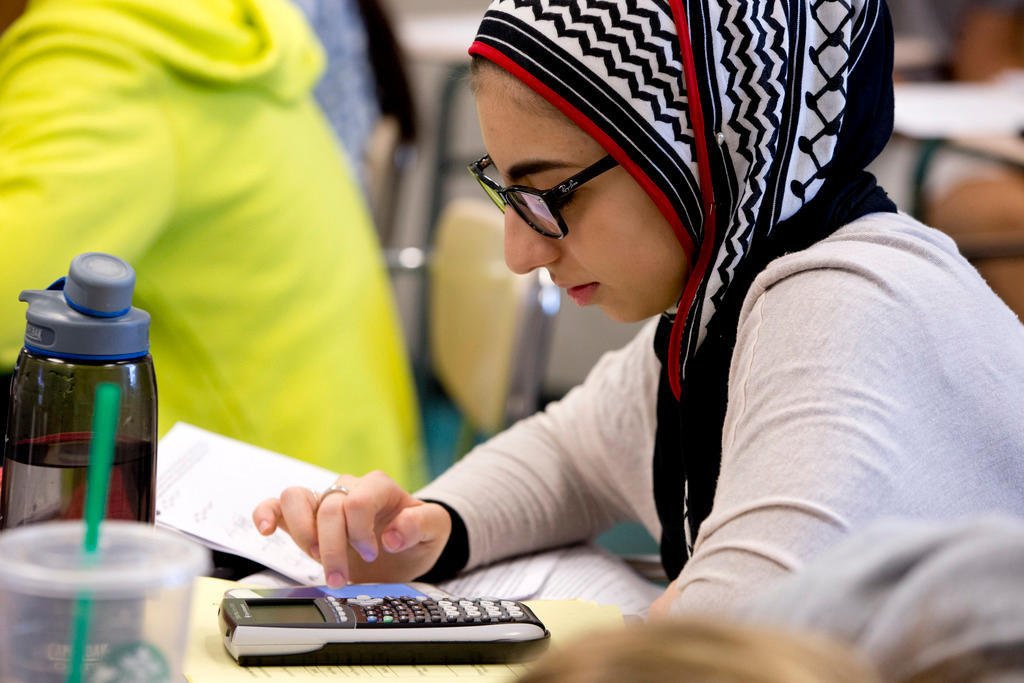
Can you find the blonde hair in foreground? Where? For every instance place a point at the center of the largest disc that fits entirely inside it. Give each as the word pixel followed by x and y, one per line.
pixel 700 650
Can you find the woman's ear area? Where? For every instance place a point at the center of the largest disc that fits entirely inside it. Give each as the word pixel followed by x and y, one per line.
pixel 478 67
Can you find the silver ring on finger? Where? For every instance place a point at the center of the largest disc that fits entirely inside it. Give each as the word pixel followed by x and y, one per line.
pixel 334 488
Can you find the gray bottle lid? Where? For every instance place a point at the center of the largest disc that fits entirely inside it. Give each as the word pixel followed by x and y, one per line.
pixel 89 314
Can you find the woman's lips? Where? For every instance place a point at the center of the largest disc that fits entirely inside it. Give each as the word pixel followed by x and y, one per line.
pixel 582 294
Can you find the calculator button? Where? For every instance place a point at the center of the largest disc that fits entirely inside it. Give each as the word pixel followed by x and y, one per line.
pixel 372 619
pixel 388 619
pixel 367 602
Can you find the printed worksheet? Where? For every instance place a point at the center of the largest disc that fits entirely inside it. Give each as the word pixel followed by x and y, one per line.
pixel 208 485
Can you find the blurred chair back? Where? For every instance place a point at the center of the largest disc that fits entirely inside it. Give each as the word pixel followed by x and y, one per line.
pixel 489 329
pixel 385 161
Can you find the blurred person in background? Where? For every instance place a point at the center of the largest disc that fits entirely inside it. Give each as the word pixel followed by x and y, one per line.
pixel 969 40
pixel 182 136
pixel 967 196
pixel 705 650
pixel 364 81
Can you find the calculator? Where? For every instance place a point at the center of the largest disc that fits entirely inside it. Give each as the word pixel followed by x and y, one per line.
pixel 407 623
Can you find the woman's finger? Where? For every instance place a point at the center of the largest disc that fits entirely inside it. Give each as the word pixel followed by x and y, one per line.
pixel 332 532
pixel 267 516
pixel 373 501
pixel 297 507
pixel 423 523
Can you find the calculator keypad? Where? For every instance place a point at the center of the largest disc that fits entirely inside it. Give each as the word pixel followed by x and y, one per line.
pixel 407 611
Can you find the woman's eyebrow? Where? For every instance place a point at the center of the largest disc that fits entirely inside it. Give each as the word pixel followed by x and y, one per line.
pixel 526 167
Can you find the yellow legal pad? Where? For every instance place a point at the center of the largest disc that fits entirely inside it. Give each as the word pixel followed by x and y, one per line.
pixel 206 660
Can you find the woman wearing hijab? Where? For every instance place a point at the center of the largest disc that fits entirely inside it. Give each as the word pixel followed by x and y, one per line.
pixel 820 360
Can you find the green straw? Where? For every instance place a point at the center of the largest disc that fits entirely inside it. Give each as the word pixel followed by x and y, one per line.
pixel 101 459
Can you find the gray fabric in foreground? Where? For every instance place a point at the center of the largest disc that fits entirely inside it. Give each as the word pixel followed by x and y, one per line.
pixel 917 596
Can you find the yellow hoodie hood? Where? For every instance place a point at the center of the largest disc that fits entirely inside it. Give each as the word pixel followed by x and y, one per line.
pixel 265 44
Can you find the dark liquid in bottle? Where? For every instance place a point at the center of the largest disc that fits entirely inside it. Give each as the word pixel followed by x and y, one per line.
pixel 45 479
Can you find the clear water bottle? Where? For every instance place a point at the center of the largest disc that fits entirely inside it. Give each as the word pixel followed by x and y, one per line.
pixel 81 331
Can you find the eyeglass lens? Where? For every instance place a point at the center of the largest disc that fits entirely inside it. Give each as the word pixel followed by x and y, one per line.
pixel 536 212
pixel 530 207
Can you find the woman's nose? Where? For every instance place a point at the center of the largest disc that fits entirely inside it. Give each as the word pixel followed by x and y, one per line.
pixel 525 248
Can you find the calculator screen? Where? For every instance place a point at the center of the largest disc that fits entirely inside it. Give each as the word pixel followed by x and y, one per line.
pixel 286 612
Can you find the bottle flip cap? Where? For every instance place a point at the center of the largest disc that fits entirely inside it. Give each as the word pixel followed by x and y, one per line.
pixel 88 314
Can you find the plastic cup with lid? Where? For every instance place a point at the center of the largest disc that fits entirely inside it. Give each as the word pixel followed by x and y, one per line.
pixel 139 582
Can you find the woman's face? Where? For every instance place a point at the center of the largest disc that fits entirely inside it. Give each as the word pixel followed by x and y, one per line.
pixel 620 253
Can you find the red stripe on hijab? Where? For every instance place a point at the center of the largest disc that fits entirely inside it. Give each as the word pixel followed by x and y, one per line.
pixel 707 195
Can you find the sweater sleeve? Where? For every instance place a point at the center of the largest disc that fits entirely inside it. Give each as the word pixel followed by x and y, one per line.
pixel 566 473
pixel 86 164
pixel 856 392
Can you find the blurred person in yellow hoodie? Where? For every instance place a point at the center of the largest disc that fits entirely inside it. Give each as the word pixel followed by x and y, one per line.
pixel 182 136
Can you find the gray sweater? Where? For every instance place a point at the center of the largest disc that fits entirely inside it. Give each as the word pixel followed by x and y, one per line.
pixel 915 597
pixel 875 375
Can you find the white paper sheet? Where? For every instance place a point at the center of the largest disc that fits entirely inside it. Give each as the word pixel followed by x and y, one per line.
pixel 208 485
pixel 584 572
pixel 518 578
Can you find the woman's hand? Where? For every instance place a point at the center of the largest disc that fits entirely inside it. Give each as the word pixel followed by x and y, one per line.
pixel 375 533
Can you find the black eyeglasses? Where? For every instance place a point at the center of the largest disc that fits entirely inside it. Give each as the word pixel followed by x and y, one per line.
pixel 541 209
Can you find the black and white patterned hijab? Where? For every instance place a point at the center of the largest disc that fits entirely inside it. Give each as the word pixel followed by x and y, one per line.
pixel 749 123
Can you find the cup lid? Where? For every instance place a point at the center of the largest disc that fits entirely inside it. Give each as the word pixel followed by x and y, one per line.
pixel 132 558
